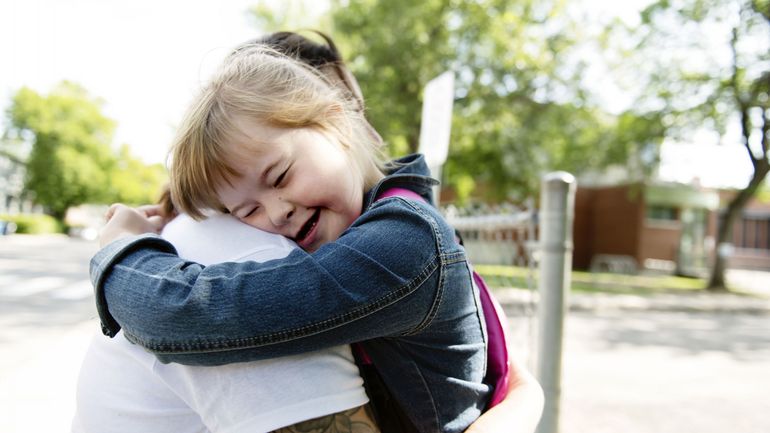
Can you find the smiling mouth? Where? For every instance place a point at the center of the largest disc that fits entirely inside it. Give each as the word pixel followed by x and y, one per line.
pixel 307 227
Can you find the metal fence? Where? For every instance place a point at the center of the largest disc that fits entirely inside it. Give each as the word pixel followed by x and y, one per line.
pixel 499 235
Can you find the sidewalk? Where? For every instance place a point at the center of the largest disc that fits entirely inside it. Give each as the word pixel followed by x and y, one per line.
pixel 47 319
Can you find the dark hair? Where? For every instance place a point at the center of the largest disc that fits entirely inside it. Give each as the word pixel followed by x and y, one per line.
pixel 313 54
pixel 302 48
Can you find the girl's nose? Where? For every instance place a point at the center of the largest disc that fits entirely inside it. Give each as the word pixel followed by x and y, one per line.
pixel 280 212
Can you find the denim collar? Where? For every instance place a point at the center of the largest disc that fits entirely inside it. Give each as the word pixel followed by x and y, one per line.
pixel 410 172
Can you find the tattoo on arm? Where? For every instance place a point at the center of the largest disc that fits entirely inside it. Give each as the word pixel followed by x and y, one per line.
pixel 356 420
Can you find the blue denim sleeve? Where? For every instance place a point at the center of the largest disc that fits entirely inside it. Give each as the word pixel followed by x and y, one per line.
pixel 379 279
pixel 103 262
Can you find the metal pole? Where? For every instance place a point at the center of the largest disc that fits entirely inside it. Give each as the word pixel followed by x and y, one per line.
pixel 557 203
pixel 435 173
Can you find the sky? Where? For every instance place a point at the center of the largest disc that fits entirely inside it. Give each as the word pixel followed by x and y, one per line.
pixel 146 58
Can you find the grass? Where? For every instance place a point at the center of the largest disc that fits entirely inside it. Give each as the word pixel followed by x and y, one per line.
pixel 594 282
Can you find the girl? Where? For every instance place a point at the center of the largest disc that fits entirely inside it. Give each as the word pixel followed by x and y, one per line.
pixel 270 142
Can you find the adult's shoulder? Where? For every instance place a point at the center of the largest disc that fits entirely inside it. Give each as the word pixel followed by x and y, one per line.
pixel 221 238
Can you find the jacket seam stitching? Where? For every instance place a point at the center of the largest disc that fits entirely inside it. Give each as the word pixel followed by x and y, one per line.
pixel 433 312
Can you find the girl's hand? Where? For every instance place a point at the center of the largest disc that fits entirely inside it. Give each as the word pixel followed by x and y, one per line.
pixel 125 221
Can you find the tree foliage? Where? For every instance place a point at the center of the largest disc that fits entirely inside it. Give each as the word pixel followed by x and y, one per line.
pixel 70 161
pixel 66 165
pixel 133 182
pixel 520 106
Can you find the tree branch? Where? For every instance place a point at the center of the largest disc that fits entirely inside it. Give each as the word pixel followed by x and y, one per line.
pixel 10 156
pixel 762 83
pixel 741 102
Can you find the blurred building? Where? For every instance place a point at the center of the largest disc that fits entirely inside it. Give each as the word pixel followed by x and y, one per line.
pixel 11 186
pixel 664 226
pixel 669 223
pixel 750 243
pixel 661 226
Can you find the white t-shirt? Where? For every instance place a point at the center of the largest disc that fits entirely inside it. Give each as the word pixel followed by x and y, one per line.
pixel 124 389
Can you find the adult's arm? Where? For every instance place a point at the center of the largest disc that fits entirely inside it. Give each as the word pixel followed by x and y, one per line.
pixel 358 288
pixel 521 409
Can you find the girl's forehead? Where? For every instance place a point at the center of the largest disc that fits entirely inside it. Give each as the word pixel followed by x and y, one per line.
pixel 253 143
pixel 250 132
pixel 250 138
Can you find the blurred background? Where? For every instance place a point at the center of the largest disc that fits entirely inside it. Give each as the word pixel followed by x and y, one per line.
pixel 659 109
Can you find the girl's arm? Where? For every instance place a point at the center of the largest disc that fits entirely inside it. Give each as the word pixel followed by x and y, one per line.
pixel 361 287
pixel 520 411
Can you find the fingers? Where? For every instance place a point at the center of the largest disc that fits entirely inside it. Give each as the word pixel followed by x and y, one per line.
pixel 158 222
pixel 150 218
pixel 147 210
pixel 111 211
pixel 150 210
pixel 158 210
pixel 127 221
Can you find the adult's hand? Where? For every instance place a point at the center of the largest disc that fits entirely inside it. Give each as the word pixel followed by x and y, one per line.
pixel 125 221
pixel 521 409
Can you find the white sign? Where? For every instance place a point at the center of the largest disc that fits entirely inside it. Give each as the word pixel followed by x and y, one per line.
pixel 436 124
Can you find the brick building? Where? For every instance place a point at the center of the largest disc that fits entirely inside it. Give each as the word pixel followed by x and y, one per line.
pixel 664 226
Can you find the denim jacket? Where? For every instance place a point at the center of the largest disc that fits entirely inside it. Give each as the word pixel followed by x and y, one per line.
pixel 396 280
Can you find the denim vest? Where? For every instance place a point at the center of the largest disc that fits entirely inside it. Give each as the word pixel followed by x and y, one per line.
pixel 396 280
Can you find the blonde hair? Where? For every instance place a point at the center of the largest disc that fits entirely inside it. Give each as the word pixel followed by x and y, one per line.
pixel 259 83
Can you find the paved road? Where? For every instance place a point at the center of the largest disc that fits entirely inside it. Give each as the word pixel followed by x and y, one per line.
pixel 626 371
pixel 666 372
pixel 46 316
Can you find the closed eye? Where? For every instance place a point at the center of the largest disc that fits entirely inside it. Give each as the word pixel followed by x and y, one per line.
pixel 280 179
pixel 249 213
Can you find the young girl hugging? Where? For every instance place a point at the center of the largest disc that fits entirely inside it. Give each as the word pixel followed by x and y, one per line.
pixel 123 389
pixel 269 141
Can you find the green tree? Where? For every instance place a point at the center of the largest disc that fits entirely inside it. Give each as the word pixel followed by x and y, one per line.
pixel 288 14
pixel 715 70
pixel 67 164
pixel 69 159
pixel 133 182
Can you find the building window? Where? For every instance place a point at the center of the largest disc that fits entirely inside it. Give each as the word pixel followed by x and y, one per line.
pixel 755 233
pixel 751 231
pixel 662 214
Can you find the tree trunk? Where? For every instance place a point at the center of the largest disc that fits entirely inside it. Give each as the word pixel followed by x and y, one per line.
pixel 717 281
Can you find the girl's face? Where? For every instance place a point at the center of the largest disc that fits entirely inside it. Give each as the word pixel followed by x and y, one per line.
pixel 297 182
